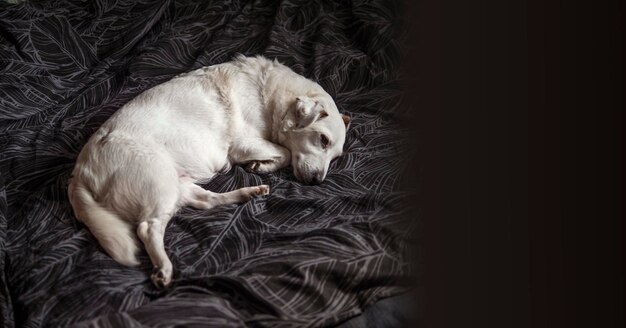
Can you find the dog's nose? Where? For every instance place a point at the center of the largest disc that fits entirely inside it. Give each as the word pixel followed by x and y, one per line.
pixel 314 180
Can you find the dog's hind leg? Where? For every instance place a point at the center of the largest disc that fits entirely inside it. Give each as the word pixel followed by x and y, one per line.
pixel 151 233
pixel 197 197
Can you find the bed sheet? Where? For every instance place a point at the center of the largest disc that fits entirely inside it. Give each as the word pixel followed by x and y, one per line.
pixel 302 256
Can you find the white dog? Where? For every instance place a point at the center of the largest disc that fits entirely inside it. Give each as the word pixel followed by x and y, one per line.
pixel 143 164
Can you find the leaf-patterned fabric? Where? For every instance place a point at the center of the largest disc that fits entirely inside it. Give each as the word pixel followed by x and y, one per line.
pixel 302 256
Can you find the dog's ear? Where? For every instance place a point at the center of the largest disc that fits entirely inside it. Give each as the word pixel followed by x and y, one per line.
pixel 346 120
pixel 307 112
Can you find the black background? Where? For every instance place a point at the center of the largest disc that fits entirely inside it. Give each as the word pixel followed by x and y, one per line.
pixel 519 134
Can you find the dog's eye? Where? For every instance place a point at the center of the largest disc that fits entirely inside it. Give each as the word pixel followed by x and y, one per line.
pixel 325 141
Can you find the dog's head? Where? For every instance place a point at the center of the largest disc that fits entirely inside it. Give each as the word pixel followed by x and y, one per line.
pixel 314 131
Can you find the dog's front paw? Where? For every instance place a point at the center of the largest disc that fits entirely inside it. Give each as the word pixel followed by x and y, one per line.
pixel 258 166
pixel 161 278
pixel 252 167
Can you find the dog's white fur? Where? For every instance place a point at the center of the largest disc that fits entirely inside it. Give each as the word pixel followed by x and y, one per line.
pixel 144 163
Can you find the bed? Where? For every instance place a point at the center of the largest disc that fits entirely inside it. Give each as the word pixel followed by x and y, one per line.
pixel 302 256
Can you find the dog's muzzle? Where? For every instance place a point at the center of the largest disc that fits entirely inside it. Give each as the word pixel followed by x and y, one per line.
pixel 314 179
pixel 310 179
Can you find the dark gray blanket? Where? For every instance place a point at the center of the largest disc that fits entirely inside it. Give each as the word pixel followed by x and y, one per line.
pixel 304 255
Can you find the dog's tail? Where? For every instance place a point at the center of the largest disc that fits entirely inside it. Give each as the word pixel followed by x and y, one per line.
pixel 114 234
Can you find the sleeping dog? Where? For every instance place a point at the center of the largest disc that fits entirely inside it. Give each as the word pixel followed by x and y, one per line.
pixel 147 160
